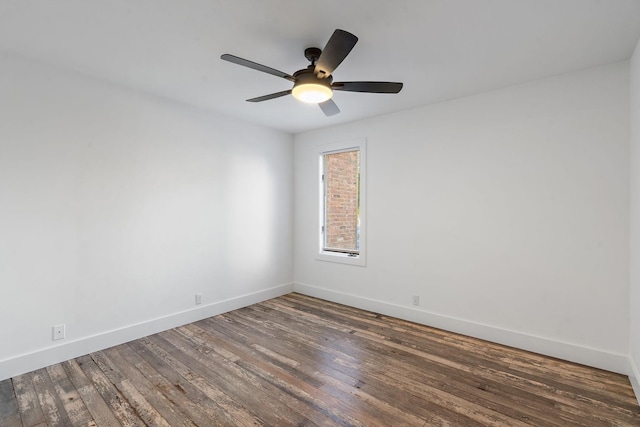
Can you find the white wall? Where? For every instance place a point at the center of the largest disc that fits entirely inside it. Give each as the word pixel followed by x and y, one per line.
pixel 506 212
pixel 117 207
pixel 634 299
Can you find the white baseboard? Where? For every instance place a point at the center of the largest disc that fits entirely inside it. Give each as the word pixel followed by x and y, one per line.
pixel 71 349
pixel 571 352
pixel 634 377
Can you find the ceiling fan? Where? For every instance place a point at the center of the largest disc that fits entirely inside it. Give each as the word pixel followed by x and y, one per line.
pixel 314 84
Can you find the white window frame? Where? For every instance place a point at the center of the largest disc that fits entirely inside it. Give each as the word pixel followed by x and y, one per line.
pixel 330 256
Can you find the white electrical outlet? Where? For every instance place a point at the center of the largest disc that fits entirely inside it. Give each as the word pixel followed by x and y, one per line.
pixel 58 332
pixel 416 300
pixel 198 299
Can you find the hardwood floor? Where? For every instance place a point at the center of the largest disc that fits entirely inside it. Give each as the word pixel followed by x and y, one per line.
pixel 297 360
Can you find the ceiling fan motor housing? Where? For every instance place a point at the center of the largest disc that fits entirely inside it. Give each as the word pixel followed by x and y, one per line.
pixel 308 76
pixel 310 88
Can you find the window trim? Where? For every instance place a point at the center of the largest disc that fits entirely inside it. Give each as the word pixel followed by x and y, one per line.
pixel 335 256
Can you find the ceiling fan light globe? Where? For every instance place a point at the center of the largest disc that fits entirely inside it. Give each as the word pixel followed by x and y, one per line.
pixel 312 93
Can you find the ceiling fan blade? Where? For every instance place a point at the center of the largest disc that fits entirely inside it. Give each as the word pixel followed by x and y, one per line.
pixel 337 48
pixel 270 96
pixel 256 66
pixel 329 108
pixel 371 87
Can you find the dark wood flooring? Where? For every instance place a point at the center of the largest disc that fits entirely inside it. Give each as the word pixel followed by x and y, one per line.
pixel 298 361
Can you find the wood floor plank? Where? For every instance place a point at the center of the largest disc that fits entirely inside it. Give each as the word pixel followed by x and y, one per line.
pixel 97 407
pixel 73 404
pixel 164 372
pixel 52 407
pixel 149 403
pixel 118 403
pixel 340 385
pixel 384 384
pixel 201 371
pixel 564 400
pixel 246 387
pixel 235 409
pixel 315 396
pixel 289 385
pixel 402 373
pixel 9 411
pixel 571 374
pixel 352 378
pixel 30 410
pixel 566 396
pixel 297 360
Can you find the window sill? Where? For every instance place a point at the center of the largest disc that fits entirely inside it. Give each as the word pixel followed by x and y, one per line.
pixel 341 258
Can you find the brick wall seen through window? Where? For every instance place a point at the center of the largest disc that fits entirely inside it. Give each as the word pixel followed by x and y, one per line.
pixel 342 198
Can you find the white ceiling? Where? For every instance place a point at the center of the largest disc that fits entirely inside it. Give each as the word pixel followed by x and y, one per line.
pixel 440 49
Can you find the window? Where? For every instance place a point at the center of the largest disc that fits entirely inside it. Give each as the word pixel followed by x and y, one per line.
pixel 342 206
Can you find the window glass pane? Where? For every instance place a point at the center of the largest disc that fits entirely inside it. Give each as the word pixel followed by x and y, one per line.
pixel 342 201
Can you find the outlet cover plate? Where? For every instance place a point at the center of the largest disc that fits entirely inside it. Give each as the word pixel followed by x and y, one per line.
pixel 58 332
